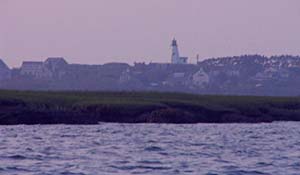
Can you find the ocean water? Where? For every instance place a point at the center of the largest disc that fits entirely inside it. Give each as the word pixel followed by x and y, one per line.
pixel 232 149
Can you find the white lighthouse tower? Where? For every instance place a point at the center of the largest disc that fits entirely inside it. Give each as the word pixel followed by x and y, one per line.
pixel 175 52
pixel 176 59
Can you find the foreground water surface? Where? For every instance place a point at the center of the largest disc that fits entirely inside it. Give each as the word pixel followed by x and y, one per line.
pixel 251 149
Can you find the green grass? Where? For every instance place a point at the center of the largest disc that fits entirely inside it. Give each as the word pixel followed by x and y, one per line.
pixel 211 108
pixel 80 98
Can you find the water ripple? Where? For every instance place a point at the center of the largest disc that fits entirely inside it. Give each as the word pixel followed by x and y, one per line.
pixel 211 149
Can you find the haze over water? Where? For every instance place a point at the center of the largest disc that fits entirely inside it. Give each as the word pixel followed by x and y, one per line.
pixel 100 31
pixel 108 149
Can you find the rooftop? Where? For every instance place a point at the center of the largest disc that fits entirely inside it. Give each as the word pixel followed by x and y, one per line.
pixel 3 65
pixel 57 60
pixel 32 63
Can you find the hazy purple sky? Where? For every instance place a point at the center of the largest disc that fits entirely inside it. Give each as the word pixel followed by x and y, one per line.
pixel 99 31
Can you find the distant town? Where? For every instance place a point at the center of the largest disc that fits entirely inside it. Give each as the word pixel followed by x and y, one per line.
pixel 240 75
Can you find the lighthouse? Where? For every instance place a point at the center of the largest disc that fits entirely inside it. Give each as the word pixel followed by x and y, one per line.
pixel 176 59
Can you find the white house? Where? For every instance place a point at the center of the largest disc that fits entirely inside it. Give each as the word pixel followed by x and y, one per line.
pixel 200 78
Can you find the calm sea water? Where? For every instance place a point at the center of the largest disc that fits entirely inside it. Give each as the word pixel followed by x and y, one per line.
pixel 233 149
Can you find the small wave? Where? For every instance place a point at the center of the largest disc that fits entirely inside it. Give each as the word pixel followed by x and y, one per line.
pixel 296 166
pixel 15 168
pixel 263 164
pixel 244 172
pixel 153 148
pixel 211 174
pixel 141 167
pixel 29 149
pixel 37 138
pixel 17 157
pixel 150 162
pixel 152 141
pixel 70 173
pixel 68 135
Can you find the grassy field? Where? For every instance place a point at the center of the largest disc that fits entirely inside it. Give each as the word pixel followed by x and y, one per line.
pixel 28 107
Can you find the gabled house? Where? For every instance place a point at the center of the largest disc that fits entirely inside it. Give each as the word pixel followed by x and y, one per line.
pixel 35 69
pixel 5 72
pixel 56 63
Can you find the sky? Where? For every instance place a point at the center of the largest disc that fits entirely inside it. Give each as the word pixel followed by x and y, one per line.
pixel 101 31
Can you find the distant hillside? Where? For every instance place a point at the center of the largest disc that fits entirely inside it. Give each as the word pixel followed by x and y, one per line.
pixel 253 75
pixel 240 75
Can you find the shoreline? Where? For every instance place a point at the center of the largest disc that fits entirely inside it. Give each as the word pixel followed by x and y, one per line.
pixel 71 107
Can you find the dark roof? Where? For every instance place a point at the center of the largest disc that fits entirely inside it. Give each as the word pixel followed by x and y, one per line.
pixel 56 60
pixel 3 65
pixel 115 64
pixel 32 63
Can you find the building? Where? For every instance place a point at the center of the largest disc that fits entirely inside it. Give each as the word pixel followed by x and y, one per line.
pixel 35 69
pixel 55 63
pixel 5 72
pixel 176 59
